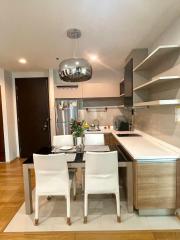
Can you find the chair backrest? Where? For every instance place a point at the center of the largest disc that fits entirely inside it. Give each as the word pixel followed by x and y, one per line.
pixel 94 139
pixel 49 165
pixel 63 140
pixel 101 163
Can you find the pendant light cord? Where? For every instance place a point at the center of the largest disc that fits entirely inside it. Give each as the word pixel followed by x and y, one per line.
pixel 75 49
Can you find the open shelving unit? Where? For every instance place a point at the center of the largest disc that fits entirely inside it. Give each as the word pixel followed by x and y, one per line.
pixel 150 74
pixel 157 55
pixel 156 81
pixel 158 103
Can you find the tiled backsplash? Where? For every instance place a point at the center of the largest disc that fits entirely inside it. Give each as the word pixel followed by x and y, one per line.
pixel 105 117
pixel 159 122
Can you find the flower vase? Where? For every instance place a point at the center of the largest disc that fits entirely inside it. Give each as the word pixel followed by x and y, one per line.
pixel 79 141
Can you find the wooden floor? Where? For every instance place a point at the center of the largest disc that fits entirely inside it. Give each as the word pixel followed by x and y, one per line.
pixel 12 196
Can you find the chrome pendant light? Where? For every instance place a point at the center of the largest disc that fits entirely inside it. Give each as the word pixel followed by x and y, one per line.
pixel 75 69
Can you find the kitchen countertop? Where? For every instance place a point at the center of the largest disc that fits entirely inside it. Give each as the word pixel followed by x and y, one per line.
pixel 145 147
pixel 142 148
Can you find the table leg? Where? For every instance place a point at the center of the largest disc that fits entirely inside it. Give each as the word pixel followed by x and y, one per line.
pixel 27 189
pixel 129 187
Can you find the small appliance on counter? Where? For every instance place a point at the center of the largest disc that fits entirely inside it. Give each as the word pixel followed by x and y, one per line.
pixel 121 123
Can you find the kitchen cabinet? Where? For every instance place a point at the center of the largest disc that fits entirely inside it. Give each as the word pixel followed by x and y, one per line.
pixel 107 138
pixel 113 140
pixel 178 184
pixel 89 90
pixel 155 185
pixel 110 139
pixel 104 89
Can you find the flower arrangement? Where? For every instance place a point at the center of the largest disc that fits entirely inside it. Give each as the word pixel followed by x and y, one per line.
pixel 77 128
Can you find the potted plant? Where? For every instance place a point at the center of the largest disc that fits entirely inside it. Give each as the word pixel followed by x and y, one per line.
pixel 77 131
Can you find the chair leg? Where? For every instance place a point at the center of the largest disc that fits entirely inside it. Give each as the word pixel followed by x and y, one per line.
pixel 36 220
pixel 83 179
pixel 118 207
pixel 74 187
pixel 85 207
pixel 68 209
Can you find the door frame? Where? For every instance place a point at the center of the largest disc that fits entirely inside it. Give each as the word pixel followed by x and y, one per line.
pixel 50 75
pixel 29 75
pixel 3 136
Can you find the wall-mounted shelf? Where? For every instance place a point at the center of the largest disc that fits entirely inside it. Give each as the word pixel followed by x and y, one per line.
pixel 158 103
pixel 100 108
pixel 156 81
pixel 156 56
pixel 67 86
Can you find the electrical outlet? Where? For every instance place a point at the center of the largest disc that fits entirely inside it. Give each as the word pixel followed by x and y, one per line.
pixel 177 114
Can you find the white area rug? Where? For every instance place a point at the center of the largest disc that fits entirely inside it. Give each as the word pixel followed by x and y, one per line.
pixel 102 217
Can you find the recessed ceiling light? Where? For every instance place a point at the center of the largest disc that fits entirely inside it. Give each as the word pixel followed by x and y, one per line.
pixel 22 61
pixel 93 57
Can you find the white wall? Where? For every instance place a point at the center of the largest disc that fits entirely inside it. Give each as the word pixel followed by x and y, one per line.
pixel 9 93
pixel 170 36
pixel 4 112
pixel 6 83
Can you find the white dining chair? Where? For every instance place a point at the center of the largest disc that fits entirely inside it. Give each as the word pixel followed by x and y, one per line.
pixel 101 177
pixel 66 140
pixel 63 140
pixel 94 139
pixel 52 178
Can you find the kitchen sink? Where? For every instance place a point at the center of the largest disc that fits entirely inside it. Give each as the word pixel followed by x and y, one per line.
pixel 128 135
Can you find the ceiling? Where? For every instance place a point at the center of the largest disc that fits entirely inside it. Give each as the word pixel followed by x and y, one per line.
pixel 36 30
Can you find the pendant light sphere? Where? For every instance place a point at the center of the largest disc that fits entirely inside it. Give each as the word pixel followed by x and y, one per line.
pixel 75 70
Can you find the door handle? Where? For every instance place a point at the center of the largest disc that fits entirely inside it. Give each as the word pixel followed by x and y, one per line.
pixel 46 125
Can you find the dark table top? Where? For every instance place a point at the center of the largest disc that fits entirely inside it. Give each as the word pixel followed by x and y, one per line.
pixel 79 156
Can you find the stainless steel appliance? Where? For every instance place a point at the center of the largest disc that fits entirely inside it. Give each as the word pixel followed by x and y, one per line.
pixel 66 110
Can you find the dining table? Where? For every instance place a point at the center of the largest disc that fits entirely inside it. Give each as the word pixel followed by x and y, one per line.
pixel 76 159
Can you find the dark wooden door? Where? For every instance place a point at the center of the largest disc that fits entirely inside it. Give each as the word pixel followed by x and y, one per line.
pixel 32 99
pixel 2 149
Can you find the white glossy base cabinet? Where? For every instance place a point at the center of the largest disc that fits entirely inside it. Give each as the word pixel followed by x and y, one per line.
pixel 155 185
